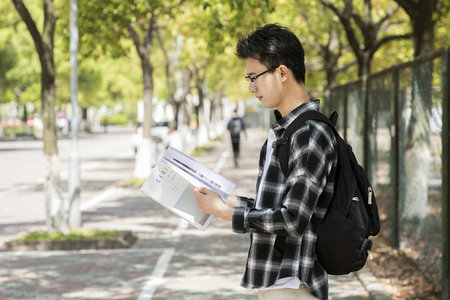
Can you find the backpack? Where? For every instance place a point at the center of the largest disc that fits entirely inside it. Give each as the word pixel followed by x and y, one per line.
pixel 343 243
pixel 235 126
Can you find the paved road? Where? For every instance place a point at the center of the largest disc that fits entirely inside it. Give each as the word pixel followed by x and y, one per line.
pixel 105 159
pixel 171 260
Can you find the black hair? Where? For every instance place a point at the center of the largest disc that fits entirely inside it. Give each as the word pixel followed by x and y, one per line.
pixel 273 45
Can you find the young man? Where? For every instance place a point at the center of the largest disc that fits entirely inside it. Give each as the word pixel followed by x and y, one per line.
pixel 281 262
pixel 235 126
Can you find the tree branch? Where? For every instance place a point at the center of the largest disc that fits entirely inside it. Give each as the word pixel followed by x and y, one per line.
pixel 345 67
pixel 135 37
pixel 151 28
pixel 387 39
pixel 409 6
pixel 331 7
pixel 387 16
pixel 31 25
pixel 344 17
pixel 169 82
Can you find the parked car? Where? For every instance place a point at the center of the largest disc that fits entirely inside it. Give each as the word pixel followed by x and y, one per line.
pixel 160 134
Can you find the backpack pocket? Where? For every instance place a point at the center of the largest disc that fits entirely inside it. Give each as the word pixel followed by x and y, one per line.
pixel 341 245
pixel 358 212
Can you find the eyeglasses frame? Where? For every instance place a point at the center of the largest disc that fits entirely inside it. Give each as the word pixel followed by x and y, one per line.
pixel 251 79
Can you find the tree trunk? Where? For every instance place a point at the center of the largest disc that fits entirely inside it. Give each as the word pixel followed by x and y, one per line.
pixel 56 217
pixel 84 124
pixel 423 27
pixel 56 211
pixel 417 157
pixel 144 156
pixel 176 110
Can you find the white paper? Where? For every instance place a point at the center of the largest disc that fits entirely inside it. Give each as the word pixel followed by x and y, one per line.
pixel 172 181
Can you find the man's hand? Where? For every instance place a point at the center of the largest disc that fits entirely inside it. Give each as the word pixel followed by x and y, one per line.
pixel 211 203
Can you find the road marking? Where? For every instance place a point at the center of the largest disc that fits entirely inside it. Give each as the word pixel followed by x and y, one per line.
pixel 156 278
pixel 157 275
pixel 178 232
pixel 112 191
pixel 221 162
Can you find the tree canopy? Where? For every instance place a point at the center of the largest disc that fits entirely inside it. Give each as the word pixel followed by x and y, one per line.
pixel 209 31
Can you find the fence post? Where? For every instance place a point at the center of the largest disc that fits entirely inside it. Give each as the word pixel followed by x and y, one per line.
pixel 395 239
pixel 367 124
pixel 445 174
pixel 345 112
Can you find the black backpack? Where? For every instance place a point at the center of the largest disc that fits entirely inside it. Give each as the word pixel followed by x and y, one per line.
pixel 235 126
pixel 343 235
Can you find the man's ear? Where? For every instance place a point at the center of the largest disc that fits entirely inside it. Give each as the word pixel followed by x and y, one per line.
pixel 284 72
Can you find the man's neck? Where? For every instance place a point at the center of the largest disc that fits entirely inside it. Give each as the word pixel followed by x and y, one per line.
pixel 294 96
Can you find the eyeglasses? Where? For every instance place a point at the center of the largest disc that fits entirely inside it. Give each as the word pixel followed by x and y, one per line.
pixel 251 79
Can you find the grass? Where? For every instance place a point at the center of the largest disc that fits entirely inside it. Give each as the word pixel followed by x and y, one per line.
pixel 201 150
pixel 41 235
pixel 135 182
pixel 16 131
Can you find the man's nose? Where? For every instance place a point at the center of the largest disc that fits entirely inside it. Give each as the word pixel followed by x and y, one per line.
pixel 252 88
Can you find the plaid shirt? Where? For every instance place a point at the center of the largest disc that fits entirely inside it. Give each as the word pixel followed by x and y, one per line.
pixel 282 240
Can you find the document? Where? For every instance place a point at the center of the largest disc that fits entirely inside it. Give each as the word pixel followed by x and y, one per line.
pixel 172 181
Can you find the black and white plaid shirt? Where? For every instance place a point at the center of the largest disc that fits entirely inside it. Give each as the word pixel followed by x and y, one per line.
pixel 282 241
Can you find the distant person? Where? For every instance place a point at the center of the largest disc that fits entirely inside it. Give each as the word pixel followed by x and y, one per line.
pixel 235 126
pixel 105 125
pixel 281 262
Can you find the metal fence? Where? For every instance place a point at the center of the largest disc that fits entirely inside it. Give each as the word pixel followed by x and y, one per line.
pixel 397 122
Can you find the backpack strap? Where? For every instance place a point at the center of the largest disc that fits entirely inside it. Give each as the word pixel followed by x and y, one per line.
pixel 284 142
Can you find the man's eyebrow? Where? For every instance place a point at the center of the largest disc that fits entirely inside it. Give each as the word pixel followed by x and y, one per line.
pixel 251 73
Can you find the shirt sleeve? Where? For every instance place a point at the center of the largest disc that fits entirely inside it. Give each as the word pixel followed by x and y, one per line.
pixel 243 125
pixel 309 165
pixel 239 211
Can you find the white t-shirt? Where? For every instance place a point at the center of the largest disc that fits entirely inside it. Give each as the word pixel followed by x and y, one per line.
pixel 287 282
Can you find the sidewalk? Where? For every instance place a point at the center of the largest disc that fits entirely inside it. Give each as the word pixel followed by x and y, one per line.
pixel 171 260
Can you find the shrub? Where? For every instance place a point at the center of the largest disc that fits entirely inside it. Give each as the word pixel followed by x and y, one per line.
pixel 120 119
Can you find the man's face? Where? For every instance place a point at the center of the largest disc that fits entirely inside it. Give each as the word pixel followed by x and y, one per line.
pixel 266 87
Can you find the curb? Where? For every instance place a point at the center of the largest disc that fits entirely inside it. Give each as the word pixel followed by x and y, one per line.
pixel 373 287
pixel 125 240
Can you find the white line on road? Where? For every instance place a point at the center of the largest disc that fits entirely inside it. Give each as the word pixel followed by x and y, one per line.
pixel 182 225
pixel 102 196
pixel 221 162
pixel 157 275
pixel 156 278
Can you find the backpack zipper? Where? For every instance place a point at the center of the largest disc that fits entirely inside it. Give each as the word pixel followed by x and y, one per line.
pixel 370 195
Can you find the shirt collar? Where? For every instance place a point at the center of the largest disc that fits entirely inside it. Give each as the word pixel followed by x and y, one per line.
pixel 283 122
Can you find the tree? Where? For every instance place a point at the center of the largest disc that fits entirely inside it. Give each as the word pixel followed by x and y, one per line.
pixel 19 70
pixel 177 90
pixel 6 64
pixel 367 28
pixel 56 217
pixel 139 21
pixel 211 54
pixel 372 27
pixel 328 54
pixel 423 15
